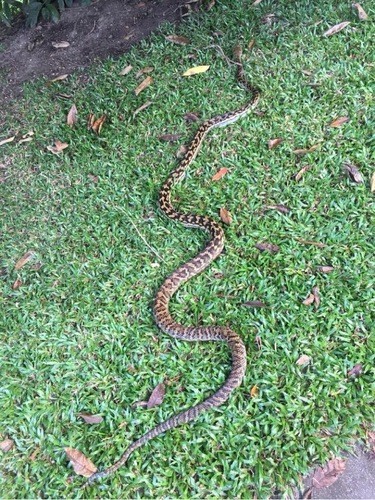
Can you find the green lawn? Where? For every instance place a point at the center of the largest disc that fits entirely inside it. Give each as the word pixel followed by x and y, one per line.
pixel 78 335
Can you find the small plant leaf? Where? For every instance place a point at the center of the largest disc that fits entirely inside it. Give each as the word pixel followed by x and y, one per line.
pixel 225 216
pixel 180 40
pixel 81 464
pixel 220 174
pixel 24 260
pixel 143 85
pixel 355 371
pixel 196 70
pixel 157 396
pixel 336 28
pixel 71 118
pixel 91 419
pixel 6 445
pixel 327 475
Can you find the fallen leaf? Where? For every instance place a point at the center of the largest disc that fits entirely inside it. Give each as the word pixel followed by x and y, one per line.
pixel 34 454
pixel 27 137
pixel 91 419
pixel 267 247
pixel 272 143
pixel 98 124
pixel 258 341
pixel 257 2
pixel 309 242
pixel 209 5
pixel 353 172
pixel 60 45
pixel 307 150
pixel 316 294
pixel 93 178
pixel 180 40
pixel 5 141
pixel 196 70
pixel 339 121
pixel 141 108
pixel 361 12
pixel 355 371
pixel 327 475
pixel 309 300
pixel 90 120
pixel 220 174
pixel 225 216
pixel 336 28
pixel 170 137
pixel 181 151
pixel 58 147
pixel 6 445
pixel 372 186
pixel 157 396
pixel 303 360
pixel 280 208
pixel 371 439
pixel 254 391
pixel 144 71
pixel 144 84
pixel 17 284
pixel 24 260
pixel 254 303
pixel 191 117
pixel 81 464
pixel 71 118
pixel 325 269
pixel 58 78
pixel 303 170
pixel 126 70
pixel 251 44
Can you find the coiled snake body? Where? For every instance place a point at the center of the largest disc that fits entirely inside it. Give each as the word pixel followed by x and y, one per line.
pixel 191 268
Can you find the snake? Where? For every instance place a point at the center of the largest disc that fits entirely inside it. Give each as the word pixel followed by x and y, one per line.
pixel 188 270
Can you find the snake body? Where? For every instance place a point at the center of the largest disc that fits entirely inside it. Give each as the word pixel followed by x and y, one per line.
pixel 185 272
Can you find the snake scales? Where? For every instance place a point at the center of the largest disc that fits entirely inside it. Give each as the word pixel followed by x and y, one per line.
pixel 185 272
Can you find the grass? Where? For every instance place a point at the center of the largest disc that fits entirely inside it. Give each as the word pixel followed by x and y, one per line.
pixel 78 335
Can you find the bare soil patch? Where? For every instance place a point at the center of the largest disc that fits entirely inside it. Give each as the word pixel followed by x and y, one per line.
pixel 104 28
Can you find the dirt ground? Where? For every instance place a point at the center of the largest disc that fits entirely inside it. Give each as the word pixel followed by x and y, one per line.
pixel 103 28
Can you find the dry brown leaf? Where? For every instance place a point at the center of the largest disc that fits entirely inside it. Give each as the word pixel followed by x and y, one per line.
pixel 34 454
pixel 339 121
pixel 180 40
pixel 303 170
pixel 220 174
pixel 17 284
pixel 325 269
pixel 309 300
pixel 361 12
pixel 143 85
pixel 144 71
pixel 27 137
pixel 24 259
pixel 353 172
pixel 60 45
pixel 126 70
pixel 5 141
pixel 170 137
pixel 191 117
pixel 254 391
pixel 267 247
pixel 58 78
pixel 251 44
pixel 196 70
pixel 280 208
pixel 257 2
pixel 336 28
pixel 272 143
pixel 157 396
pixel 327 475
pixel 254 303
pixel 225 216
pixel 209 5
pixel 371 439
pixel 98 124
pixel 93 178
pixel 6 445
pixel 303 360
pixel 58 147
pixel 141 108
pixel 307 150
pixel 372 184
pixel 81 464
pixel 355 371
pixel 91 419
pixel 309 242
pixel 181 151
pixel 71 118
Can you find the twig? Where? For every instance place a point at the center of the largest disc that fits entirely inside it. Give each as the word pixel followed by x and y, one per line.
pixel 145 241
